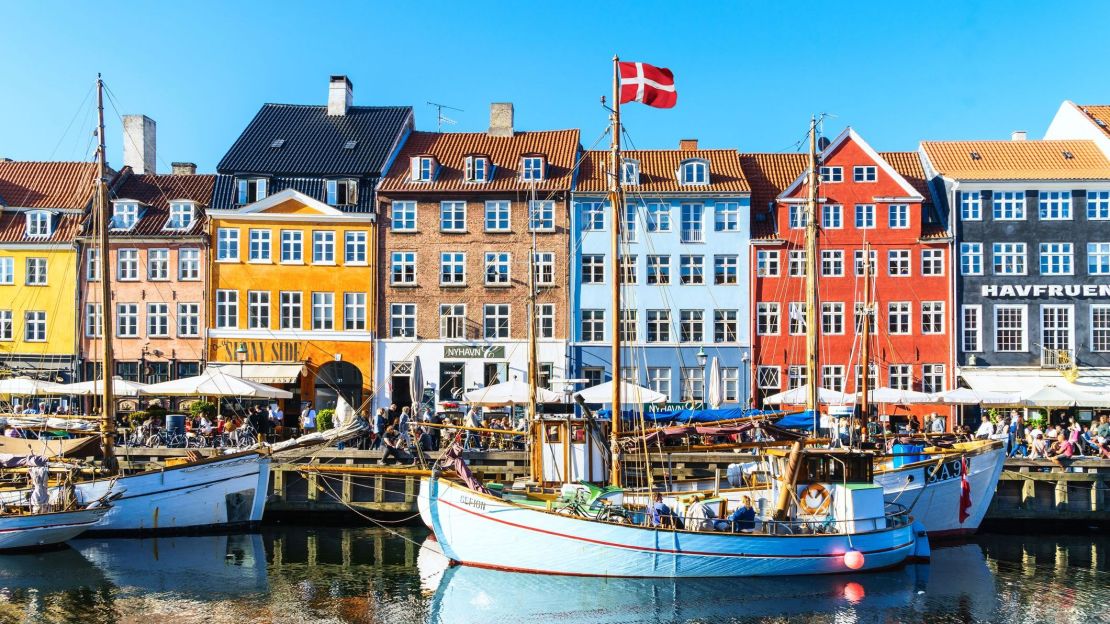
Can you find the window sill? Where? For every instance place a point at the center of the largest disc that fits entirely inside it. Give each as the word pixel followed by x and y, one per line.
pixel 292 262
pixel 324 264
pixel 260 262
pixel 188 279
pixel 454 231
pixel 498 285
pixel 356 264
pixel 227 260
pixel 396 231
pixel 442 285
pixel 404 285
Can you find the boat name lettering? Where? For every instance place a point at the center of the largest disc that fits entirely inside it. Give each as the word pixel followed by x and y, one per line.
pixel 1043 290
pixel 473 502
pixel 474 352
pixel 951 469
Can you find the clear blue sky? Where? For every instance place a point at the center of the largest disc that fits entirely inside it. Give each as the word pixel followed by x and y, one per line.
pixel 748 76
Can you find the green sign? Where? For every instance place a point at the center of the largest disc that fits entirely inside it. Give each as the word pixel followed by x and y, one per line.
pixel 475 352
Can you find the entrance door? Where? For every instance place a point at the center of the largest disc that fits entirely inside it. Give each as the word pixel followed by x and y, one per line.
pixel 335 379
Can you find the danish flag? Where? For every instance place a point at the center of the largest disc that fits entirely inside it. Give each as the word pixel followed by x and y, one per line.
pixel 645 83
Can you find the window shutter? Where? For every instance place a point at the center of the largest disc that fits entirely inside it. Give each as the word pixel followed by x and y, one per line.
pixel 414 168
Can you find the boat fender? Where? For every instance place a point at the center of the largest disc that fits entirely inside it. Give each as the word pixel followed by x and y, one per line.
pixel 921 549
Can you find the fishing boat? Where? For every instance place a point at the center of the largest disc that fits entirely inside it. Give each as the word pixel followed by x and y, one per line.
pixel 32 521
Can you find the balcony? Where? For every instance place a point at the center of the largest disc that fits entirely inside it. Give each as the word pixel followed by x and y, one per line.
pixel 1058 359
pixel 693 235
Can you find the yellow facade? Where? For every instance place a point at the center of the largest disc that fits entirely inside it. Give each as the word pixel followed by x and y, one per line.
pixel 56 300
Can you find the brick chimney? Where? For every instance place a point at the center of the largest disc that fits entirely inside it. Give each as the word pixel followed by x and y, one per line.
pixel 340 95
pixel 184 168
pixel 688 145
pixel 139 143
pixel 500 119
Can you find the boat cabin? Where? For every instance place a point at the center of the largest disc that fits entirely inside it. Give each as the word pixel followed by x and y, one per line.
pixel 573 449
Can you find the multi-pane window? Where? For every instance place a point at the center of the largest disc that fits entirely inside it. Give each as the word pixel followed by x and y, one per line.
pixel 932 317
pixel 691 215
pixel 971 258
pixel 1056 327
pixel 693 383
pixel 898 317
pixel 768 377
pixel 259 245
pixel 796 318
pixel 258 309
pixel 865 216
pixel 495 320
pixel 498 213
pixel 767 263
pixel 188 320
pixel 726 269
pixel 1008 258
pixel 1010 328
pixel 1009 205
pixel 630 212
pixel 323 310
pixel 832 318
pixel 127 320
pixel 6 324
pixel 628 270
pixel 593 269
pixel 290 309
pixel 593 216
pixel 402 269
pixel 795 377
pixel 692 269
pixel 628 324
pixel 403 216
pixel 832 263
pixel 932 262
pixel 767 318
pixel 831 174
pixel 832 377
pixel 402 320
pixel 250 190
pixel 354 247
pixel 971 206
pixel 832 216
pixel 694 172
pixel 932 378
pixel 452 216
pixel 630 172
pixel 323 247
pixel 872 262
pixel 727 217
pixel 691 325
pixel 227 309
pixel 341 192
pixel 354 311
pixel 796 263
pixel 36 270
pixel 971 328
pixel 593 325
pixel 531 168
pixel 452 268
pixel 658 325
pixel 861 311
pixel 1098 205
pixel 1098 258
pixel 797 216
pixel 34 326
pixel 127 264
pixel 497 268
pixel 898 216
pixel 157 320
pixel 726 326
pixel 94 320
pixel 38 223
pixel 901 376
pixel 1056 258
pixel 452 321
pixel 730 380
pixel 658 270
pixel 543 264
pixel 227 244
pixel 1100 327
pixel 541 215
pixel 545 320
pixel 898 262
pixel 659 380
pixel 92 267
pixel 1054 205
pixel 864 173
pixel 181 216
pixel 423 168
pixel 158 264
pixel 292 246
pixel 124 215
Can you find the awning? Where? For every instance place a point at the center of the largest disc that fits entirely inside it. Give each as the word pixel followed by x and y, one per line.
pixel 1094 382
pixel 263 373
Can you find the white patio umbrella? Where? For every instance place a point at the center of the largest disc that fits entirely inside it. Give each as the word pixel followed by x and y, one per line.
pixel 215 382
pixel 512 392
pixel 797 396
pixel 631 394
pixel 120 388
pixel 968 396
pixel 25 386
pixel 1055 396
pixel 899 397
pixel 713 391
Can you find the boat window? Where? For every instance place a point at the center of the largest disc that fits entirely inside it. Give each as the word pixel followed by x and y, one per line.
pixel 551 434
pixel 837 469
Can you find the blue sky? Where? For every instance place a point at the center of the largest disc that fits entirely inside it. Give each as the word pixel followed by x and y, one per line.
pixel 749 75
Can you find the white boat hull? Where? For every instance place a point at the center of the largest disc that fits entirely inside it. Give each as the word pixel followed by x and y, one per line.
pixel 46 529
pixel 485 531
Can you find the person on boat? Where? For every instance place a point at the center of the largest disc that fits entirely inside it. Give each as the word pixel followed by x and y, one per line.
pixel 12 432
pixel 662 515
pixel 743 517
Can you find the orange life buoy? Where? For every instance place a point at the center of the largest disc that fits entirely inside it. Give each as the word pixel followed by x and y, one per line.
pixel 815 499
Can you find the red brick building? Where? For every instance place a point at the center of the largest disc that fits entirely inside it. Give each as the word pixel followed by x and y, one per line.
pixel 865 198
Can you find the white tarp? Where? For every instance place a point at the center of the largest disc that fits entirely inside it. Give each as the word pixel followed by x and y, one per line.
pixel 899 397
pixel 262 373
pixel 1091 389
pixel 215 382
pixel 968 396
pixel 714 391
pixel 631 394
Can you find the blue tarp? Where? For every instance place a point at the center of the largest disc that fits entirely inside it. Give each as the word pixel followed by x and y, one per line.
pixel 804 420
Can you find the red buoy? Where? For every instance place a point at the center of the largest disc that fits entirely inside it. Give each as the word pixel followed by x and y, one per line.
pixel 853 559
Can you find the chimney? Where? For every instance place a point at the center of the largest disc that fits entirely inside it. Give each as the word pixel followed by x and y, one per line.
pixel 184 168
pixel 1017 135
pixel 687 145
pixel 500 119
pixel 340 95
pixel 139 143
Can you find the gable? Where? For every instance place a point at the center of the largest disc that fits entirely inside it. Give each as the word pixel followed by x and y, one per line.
pixel 848 150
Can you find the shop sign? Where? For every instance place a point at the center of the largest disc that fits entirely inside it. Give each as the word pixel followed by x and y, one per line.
pixel 261 350
pixel 1045 290
pixel 453 352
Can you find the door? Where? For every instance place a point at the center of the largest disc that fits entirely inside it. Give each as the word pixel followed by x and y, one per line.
pixel 335 379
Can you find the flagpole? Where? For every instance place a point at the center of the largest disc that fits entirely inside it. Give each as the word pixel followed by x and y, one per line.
pixel 617 209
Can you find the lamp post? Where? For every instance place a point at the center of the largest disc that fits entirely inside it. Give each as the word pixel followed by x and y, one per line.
pixel 702 359
pixel 241 355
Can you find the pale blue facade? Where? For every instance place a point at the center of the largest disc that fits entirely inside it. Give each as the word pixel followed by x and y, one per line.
pixel 676 316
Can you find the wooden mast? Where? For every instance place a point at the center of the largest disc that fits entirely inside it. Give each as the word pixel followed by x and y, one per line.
pixel 811 278
pixel 100 209
pixel 865 351
pixel 536 461
pixel 617 203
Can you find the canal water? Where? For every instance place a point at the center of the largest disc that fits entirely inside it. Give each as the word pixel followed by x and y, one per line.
pixel 308 574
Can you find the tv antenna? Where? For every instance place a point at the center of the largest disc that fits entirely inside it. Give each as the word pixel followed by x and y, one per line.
pixel 441 118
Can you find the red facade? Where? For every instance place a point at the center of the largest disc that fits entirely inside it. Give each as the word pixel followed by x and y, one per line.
pixel 866 198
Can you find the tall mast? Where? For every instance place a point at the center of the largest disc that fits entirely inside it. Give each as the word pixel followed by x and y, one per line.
pixel 865 352
pixel 617 202
pixel 536 463
pixel 811 277
pixel 107 407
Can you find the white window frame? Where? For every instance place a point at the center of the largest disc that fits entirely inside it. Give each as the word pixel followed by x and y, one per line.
pixel 500 315
pixel 1071 327
pixel 832 263
pixel 37 271
pixel 227 309
pixel 291 309
pixel 39 224
pixel 259 246
pixel 341 192
pixel 658 270
pixel 354 311
pixel 593 325
pixel 693 172
pixel 726 269
pixel 1099 312
pixel 541 215
pixel 1011 257
pixel 452 321
pixel 1024 310
pixel 899 263
pixel 127 320
pixel 227 244
pixel 158 320
pixel 250 190
pixel 356 248
pixel 971 258
pixel 532 168
pixel 1060 258
pixel 1098 258
pixel 832 216
pixel 768 317
pixel 865 216
pixel 658 323
pixel 898 216
pixel 258 309
pixel 182 215
pixel 659 380
pixel 934 309
pixel 932 262
pixel 323 311
pixel 1008 205
pixel 593 216
pixel 903 311
pixel 933 378
pixel 94 320
pixel 323 247
pixel 127 265
pixel 592 269
pixel 452 216
pixel 768 377
pixel 402 320
pixel 767 263
pixel 449 261
pixel 501 211
pixel 971 206
pixel 403 216
pixel 188 320
pixel 158 265
pixel 34 326
pixel 831 175
pixel 865 173
pixel 292 241
pixel 476 169
pixel 1054 205
pixel 402 268
pixel 1098 205
pixel 188 264
pixel 726 216
pixel 125 214
pixel 544 264
pixel 972 312
pixel 832 318
pixel 501 263
pixel 422 168
pixel 92 266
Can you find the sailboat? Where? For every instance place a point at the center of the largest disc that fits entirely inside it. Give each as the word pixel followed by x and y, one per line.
pixel 32 521
pixel 599 537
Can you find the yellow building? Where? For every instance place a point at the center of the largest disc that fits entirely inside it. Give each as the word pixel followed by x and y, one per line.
pixel 41 207
pixel 291 297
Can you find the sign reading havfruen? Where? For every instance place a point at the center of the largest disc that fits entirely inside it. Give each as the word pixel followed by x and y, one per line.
pixel 1045 290
pixel 474 352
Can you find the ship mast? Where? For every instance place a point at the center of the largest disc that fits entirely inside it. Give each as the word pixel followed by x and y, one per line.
pixel 811 278
pixel 100 211
pixel 865 351
pixel 536 462
pixel 616 201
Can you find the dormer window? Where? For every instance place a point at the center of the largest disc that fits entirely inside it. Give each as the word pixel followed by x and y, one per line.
pixel 342 192
pixel 250 190
pixel 181 215
pixel 693 172
pixel 124 215
pixel 531 168
pixel 630 172
pixel 423 168
pixel 38 223
pixel 477 169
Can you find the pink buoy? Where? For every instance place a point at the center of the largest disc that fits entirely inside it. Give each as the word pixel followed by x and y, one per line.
pixel 853 559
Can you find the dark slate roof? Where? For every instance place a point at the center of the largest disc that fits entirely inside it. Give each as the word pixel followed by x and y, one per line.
pixel 314 141
pixel 223 195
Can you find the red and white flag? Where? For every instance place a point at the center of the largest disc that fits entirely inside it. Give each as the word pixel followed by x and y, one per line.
pixel 645 83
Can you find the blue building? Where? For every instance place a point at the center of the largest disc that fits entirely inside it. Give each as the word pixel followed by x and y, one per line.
pixel 686 281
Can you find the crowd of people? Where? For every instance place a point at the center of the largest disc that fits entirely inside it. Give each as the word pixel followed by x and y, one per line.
pixel 1063 439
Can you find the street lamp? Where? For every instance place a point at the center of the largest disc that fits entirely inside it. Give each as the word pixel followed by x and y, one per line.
pixel 702 357
pixel 241 355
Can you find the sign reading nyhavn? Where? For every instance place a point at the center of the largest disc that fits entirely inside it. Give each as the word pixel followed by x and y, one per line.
pixel 462 352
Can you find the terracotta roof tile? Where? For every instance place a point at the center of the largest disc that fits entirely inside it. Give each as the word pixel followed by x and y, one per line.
pixel 908 165
pixel 658 171
pixel 1018 160
pixel 46 184
pixel 451 148
pixel 934 231
pixel 13 228
pixel 1100 114
pixel 156 192
pixel 769 175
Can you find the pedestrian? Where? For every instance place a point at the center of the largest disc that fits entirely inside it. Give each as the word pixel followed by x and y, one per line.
pixel 308 418
pixel 473 420
pixel 392 444
pixel 377 429
pixel 404 427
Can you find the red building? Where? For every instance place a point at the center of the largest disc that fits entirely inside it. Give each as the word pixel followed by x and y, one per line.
pixel 865 199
